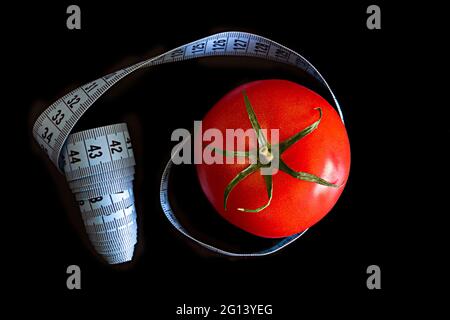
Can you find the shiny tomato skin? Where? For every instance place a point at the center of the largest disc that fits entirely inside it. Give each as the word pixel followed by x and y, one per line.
pixel 296 204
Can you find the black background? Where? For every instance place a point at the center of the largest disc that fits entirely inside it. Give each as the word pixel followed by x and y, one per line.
pixel 324 271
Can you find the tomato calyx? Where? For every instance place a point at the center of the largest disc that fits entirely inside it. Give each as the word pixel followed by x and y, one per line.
pixel 266 154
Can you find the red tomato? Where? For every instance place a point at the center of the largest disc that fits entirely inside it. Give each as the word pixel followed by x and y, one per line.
pixel 325 152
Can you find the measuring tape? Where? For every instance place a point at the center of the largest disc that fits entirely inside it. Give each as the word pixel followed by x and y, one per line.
pixel 99 167
pixel 98 173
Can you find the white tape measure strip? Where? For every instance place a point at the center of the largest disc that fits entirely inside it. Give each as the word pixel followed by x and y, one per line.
pixel 53 126
pixel 99 166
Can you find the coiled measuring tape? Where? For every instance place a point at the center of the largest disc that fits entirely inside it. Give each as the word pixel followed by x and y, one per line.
pixel 101 176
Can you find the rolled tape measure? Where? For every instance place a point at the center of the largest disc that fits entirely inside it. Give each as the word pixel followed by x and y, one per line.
pixel 99 163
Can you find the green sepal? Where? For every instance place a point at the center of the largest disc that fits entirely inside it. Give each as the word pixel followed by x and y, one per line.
pixel 296 137
pixel 254 121
pixel 304 176
pixel 240 176
pixel 269 187
pixel 227 153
